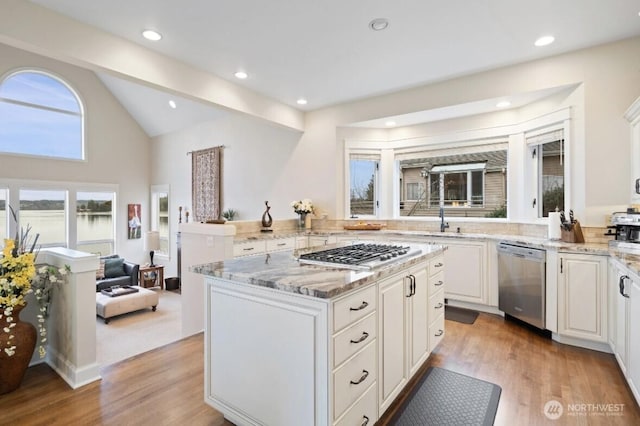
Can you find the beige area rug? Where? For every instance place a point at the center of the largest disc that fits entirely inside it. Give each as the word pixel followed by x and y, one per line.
pixel 137 332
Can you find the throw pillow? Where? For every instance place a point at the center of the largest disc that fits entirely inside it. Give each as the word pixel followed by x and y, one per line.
pixel 100 271
pixel 114 268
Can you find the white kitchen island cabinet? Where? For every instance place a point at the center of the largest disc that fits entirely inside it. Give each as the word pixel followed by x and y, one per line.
pixel 290 344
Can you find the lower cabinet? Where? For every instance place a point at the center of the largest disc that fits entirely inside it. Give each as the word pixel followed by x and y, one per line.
pixel 467 281
pixel 409 311
pixel 633 362
pixel 582 296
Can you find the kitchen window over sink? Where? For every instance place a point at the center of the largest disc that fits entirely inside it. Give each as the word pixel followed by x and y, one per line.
pixel 468 182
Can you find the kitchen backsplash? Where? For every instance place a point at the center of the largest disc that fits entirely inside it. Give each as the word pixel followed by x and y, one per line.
pixel 591 234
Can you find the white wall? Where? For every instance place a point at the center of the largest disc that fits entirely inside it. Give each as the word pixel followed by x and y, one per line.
pixel 261 163
pixel 117 150
pixel 608 73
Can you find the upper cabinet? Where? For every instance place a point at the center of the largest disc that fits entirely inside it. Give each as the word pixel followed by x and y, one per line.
pixel 633 116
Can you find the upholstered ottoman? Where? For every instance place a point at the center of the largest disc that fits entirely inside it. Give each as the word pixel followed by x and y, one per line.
pixel 108 307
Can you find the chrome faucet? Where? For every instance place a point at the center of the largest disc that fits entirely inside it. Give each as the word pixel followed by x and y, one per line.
pixel 443 225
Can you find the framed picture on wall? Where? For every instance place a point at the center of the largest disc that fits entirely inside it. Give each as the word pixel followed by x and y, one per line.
pixel 134 224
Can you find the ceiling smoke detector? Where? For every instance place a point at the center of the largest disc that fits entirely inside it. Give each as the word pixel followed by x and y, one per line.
pixel 379 24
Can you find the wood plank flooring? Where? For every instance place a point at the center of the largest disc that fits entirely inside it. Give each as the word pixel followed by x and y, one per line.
pixel 166 386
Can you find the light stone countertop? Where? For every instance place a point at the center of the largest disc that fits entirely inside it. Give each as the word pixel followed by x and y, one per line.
pixel 534 242
pixel 281 271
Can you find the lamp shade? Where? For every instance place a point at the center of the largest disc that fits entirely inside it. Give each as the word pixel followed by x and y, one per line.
pixel 152 240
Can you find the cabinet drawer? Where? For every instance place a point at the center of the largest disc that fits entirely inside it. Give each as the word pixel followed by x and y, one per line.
pixel 436 332
pixel 352 379
pixel 436 305
pixel 281 244
pixel 353 338
pixel 436 282
pixel 436 265
pixel 249 248
pixel 353 307
pixel 364 412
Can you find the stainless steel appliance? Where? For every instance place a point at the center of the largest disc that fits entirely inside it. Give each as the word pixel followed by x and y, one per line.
pixel 626 225
pixel 522 283
pixel 363 256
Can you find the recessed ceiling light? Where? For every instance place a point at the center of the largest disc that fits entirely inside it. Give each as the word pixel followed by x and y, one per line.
pixel 151 35
pixel 544 41
pixel 241 75
pixel 172 104
pixel 390 123
pixel 379 24
pixel 503 104
pixel 301 101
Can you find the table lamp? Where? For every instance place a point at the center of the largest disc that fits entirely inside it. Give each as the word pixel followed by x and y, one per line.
pixel 152 242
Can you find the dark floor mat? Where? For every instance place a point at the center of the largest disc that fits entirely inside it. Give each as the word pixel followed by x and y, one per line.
pixel 466 316
pixel 443 397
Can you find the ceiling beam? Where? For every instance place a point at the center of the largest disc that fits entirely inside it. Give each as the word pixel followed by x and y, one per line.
pixel 36 29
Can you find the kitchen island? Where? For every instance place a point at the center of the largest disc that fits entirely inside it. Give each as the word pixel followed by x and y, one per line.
pixel 294 344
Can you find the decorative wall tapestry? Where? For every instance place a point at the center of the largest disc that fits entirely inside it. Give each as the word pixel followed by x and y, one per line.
pixel 134 225
pixel 206 177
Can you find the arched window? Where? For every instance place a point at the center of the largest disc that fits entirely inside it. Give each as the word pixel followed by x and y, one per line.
pixel 40 115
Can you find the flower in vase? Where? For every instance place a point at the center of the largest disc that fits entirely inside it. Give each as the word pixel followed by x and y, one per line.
pixel 303 206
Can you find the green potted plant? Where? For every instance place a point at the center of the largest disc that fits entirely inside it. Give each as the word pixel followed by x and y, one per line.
pixel 229 214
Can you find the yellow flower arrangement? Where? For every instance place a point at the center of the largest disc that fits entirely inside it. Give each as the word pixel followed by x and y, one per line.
pixel 19 277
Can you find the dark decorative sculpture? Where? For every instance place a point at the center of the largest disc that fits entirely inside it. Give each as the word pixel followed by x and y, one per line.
pixel 266 219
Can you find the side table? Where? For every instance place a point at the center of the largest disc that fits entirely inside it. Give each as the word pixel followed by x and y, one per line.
pixel 151 276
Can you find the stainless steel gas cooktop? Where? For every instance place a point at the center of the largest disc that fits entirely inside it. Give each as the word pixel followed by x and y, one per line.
pixel 364 256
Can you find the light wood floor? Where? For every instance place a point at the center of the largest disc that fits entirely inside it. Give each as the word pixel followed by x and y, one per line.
pixel 165 386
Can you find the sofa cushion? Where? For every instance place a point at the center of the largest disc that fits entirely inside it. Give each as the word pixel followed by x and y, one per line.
pixel 114 268
pixel 100 271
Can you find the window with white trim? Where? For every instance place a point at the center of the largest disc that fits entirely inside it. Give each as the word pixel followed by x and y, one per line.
pixel 40 115
pixel 95 222
pixel 160 216
pixel 363 185
pixel 468 181
pixel 547 152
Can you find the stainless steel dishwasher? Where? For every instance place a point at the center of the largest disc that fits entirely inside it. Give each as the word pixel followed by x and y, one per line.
pixel 522 282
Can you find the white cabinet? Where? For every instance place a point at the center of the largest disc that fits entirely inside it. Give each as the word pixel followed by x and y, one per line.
pixel 393 338
pixel 248 248
pixel 619 283
pixel 582 296
pixel 321 240
pixel 466 275
pixel 633 365
pixel 633 116
pixel 262 246
pixel 409 309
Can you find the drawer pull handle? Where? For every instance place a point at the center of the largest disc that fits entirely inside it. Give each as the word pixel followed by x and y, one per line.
pixel 248 249
pixel 439 283
pixel 439 333
pixel 362 338
pixel 366 421
pixel 365 374
pixel 282 244
pixel 438 265
pixel 361 307
pixel 439 306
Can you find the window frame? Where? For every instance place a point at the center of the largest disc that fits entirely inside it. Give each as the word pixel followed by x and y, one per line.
pixel 534 140
pixel 81 114
pixel 368 154
pixel 156 191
